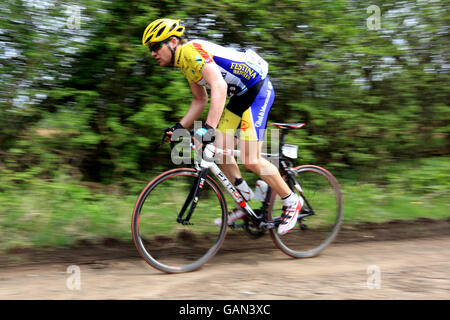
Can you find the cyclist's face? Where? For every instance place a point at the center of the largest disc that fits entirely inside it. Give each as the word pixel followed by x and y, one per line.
pixel 162 54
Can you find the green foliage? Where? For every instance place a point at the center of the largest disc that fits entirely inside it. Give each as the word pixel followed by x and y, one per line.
pixel 423 176
pixel 93 100
pixel 87 105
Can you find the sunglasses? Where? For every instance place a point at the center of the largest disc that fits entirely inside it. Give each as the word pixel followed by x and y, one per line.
pixel 156 46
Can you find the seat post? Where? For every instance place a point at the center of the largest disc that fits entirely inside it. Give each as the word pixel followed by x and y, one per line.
pixel 284 131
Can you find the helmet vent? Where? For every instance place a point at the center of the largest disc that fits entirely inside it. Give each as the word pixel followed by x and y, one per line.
pixel 172 27
pixel 160 32
pixel 154 28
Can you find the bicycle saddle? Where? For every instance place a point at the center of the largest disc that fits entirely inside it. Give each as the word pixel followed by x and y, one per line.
pixel 287 125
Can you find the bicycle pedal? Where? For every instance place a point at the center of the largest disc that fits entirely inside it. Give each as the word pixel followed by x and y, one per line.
pixel 267 225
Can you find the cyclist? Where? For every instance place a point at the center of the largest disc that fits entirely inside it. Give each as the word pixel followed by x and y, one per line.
pixel 243 77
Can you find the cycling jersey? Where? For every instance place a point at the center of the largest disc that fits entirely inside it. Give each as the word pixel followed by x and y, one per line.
pixel 240 70
pixel 245 73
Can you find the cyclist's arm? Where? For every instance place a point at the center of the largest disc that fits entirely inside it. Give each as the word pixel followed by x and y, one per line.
pixel 197 106
pixel 213 77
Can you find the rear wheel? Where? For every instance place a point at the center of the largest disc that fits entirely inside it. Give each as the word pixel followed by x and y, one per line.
pixel 314 233
pixel 167 244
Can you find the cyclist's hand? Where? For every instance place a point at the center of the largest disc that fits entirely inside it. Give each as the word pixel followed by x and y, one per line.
pixel 169 131
pixel 204 136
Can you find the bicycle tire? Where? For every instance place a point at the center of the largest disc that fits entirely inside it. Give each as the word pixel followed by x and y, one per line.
pixel 153 205
pixel 311 238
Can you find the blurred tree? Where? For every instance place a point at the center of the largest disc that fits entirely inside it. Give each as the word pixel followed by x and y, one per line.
pixel 93 100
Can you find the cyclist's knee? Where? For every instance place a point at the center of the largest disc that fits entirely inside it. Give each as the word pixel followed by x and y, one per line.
pixel 261 167
pixel 253 166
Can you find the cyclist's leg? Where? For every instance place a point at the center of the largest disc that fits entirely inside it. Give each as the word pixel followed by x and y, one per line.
pixel 253 126
pixel 254 122
pixel 250 113
pixel 225 139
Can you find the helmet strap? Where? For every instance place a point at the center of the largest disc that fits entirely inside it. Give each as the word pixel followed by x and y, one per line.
pixel 172 61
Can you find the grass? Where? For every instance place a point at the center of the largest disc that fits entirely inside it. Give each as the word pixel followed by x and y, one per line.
pixel 371 203
pixel 406 190
pixel 61 212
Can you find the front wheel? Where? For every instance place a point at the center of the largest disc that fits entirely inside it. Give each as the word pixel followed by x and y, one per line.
pixel 161 239
pixel 323 200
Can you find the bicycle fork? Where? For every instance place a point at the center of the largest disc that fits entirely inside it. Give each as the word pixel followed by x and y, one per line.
pixel 192 198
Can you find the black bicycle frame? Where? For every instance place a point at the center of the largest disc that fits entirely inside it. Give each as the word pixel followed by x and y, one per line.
pixel 192 198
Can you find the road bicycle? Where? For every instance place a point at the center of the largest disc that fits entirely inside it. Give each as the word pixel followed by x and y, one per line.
pixel 173 220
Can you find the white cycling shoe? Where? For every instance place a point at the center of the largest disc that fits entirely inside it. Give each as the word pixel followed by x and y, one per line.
pixel 235 214
pixel 291 209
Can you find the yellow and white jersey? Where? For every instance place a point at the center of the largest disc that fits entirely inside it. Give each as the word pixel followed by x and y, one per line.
pixel 240 70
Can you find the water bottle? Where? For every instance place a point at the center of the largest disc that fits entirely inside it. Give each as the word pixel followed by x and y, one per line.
pixel 261 190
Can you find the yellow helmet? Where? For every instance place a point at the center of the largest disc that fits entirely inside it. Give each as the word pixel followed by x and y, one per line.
pixel 160 30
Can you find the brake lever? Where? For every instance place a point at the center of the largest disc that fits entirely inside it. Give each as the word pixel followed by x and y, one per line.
pixel 162 140
pixel 172 143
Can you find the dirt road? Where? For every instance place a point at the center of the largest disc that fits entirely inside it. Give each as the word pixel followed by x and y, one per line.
pixel 369 263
